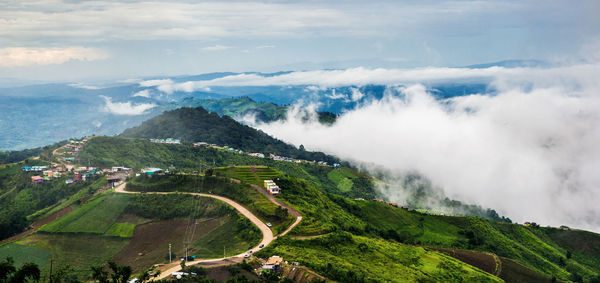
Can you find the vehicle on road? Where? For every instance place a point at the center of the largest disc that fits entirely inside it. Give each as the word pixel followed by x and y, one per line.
pixel 261 246
pixel 269 224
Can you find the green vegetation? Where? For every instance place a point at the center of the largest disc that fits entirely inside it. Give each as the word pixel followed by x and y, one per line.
pixel 123 230
pixel 95 216
pixel 22 254
pixel 79 251
pixel 16 156
pixel 23 202
pixel 249 174
pixel 346 258
pixel 239 106
pixel 196 124
pixel 257 203
pixel 162 207
pixel 233 235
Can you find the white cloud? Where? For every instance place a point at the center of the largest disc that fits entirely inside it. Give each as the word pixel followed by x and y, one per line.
pixel 265 46
pixel 364 76
pixel 142 93
pixel 84 86
pixel 530 151
pixel 27 56
pixel 126 108
pixel 216 48
pixel 150 83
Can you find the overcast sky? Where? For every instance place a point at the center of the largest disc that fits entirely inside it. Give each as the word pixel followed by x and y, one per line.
pixel 70 40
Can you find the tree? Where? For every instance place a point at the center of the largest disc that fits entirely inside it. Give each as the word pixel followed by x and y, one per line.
pixel 8 272
pixel 98 274
pixel 29 270
pixel 7 267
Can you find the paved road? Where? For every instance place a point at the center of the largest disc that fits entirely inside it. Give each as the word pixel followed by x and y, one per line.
pixel 266 231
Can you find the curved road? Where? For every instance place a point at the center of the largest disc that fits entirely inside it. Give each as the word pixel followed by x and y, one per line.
pixel 266 231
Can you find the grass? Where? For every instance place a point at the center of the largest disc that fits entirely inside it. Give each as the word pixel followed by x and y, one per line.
pixel 227 236
pixel 342 178
pixel 123 230
pixel 256 202
pixel 22 254
pixel 343 257
pixel 95 216
pixel 80 251
pixel 68 201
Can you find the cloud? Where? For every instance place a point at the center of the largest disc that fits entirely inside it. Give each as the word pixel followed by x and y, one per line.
pixel 529 151
pixel 142 93
pixel 27 56
pixel 126 108
pixel 216 48
pixel 150 83
pixel 380 76
pixel 84 86
pixel 265 46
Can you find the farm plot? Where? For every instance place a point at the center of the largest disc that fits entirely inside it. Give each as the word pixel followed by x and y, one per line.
pixel 95 216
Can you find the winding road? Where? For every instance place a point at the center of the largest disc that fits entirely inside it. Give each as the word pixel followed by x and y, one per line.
pixel 265 230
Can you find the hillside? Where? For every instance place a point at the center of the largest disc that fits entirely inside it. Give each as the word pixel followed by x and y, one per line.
pixel 196 124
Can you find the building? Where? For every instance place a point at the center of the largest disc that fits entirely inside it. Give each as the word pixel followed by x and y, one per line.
pixel 199 144
pixel 167 140
pixel 271 187
pixel 257 154
pixel 37 179
pixel 119 169
pixel 152 171
pixel 272 264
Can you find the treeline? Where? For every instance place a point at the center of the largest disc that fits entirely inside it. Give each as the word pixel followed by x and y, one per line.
pixel 164 207
pixel 20 155
pixel 21 198
pixel 196 124
pixel 191 183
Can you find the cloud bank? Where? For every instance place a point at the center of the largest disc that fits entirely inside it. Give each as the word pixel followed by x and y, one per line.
pixel 126 108
pixel 539 77
pixel 26 56
pixel 530 151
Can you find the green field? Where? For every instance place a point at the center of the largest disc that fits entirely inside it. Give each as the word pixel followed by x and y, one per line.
pixel 95 216
pixel 225 236
pixel 342 178
pixel 123 230
pixel 256 202
pixel 22 254
pixel 342 257
pixel 80 251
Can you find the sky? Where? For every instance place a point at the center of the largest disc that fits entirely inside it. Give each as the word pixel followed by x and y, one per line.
pixel 57 40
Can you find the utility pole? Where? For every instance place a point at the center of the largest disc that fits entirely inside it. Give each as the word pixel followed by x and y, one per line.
pixel 223 251
pixel 50 269
pixel 169 252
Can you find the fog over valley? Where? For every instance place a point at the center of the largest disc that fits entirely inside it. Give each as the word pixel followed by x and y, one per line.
pixel 529 150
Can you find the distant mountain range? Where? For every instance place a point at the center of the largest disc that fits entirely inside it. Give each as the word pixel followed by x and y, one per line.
pixel 36 115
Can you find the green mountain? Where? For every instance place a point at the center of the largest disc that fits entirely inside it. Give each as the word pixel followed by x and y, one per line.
pixel 345 235
pixel 196 125
pixel 239 107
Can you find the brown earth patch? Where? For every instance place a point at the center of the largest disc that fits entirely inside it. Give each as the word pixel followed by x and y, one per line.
pixel 222 273
pixel 150 242
pixel 37 224
pixel 483 261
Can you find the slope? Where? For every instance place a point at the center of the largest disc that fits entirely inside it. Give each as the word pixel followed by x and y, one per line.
pixel 196 124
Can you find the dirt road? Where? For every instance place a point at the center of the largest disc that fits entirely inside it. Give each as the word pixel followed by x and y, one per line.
pixel 266 240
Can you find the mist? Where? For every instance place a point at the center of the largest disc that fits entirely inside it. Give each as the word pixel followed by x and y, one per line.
pixel 529 151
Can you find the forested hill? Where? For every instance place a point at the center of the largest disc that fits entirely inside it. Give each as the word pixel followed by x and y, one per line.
pixel 197 124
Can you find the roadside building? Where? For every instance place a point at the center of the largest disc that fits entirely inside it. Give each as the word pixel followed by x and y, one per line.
pixel 273 264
